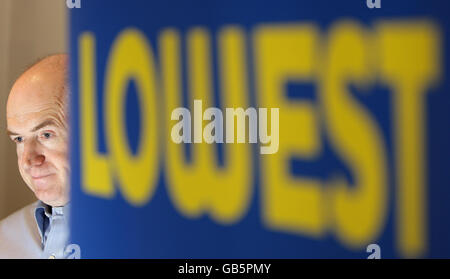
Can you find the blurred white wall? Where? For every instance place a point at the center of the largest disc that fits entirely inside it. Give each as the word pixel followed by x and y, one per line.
pixel 29 30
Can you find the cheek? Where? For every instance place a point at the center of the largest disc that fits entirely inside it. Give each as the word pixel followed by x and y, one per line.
pixel 19 151
pixel 58 156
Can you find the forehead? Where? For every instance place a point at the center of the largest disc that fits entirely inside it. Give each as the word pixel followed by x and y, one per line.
pixel 26 113
pixel 28 122
pixel 33 104
pixel 23 112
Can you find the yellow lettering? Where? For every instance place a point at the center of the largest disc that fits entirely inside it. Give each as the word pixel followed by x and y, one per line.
pixel 358 213
pixel 282 53
pixel 410 63
pixel 131 58
pixel 96 179
pixel 202 186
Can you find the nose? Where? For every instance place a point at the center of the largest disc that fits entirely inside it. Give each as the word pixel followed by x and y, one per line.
pixel 32 156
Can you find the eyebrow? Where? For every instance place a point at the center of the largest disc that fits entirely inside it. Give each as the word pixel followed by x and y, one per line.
pixel 48 122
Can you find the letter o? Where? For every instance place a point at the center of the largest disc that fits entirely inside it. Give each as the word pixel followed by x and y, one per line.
pixel 131 57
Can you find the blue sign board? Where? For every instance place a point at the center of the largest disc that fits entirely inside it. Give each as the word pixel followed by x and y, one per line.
pixel 355 98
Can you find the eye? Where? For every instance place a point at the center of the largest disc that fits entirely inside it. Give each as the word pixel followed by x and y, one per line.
pixel 47 135
pixel 18 139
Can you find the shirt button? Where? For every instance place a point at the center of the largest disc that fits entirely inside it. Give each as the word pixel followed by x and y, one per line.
pixel 52 257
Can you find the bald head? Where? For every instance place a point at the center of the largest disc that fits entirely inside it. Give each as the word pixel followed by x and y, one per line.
pixel 45 81
pixel 36 114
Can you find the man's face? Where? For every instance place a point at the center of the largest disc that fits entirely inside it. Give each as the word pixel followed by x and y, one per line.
pixel 37 124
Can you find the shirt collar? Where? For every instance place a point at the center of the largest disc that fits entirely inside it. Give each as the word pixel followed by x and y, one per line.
pixel 44 212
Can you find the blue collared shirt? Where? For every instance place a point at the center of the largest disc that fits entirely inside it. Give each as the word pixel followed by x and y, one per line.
pixel 53 229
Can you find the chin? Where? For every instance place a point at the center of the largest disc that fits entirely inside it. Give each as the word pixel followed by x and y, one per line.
pixel 51 197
